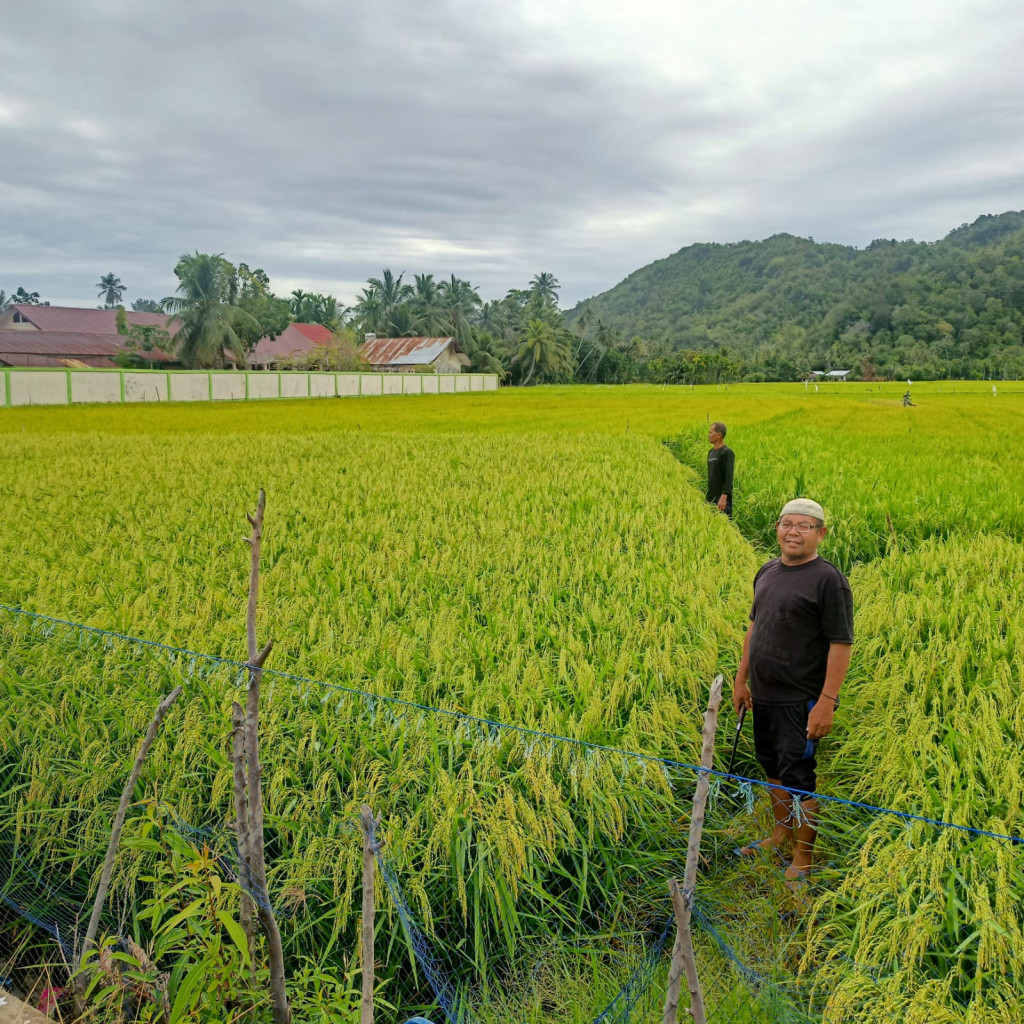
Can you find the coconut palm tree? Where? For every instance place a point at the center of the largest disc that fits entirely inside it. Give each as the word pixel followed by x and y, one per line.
pixel 370 310
pixel 110 290
pixel 206 324
pixel 328 312
pixel 427 307
pixel 402 323
pixel 393 293
pixel 545 287
pixel 543 348
pixel 5 300
pixel 461 301
pixel 487 354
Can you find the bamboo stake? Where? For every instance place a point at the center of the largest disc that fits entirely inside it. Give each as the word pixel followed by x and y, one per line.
pixel 683 957
pixel 254 839
pixel 369 871
pixel 122 810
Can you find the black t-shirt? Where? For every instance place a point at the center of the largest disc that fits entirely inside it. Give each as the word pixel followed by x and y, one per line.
pixel 798 611
pixel 720 466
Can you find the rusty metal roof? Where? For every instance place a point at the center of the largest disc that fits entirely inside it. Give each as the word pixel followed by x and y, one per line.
pixel 57 343
pixel 86 321
pixel 68 344
pixel 406 351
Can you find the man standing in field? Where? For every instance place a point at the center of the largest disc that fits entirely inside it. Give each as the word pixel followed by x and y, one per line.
pixel 721 461
pixel 796 654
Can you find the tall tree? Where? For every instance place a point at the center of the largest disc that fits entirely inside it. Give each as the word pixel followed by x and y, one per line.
pixel 110 290
pixel 24 298
pixel 393 294
pixel 427 308
pixel 488 354
pixel 5 300
pixel 253 284
pixel 207 324
pixel 461 301
pixel 545 287
pixel 543 349
pixel 370 310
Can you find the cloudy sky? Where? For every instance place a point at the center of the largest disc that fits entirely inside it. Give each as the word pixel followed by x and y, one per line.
pixel 324 140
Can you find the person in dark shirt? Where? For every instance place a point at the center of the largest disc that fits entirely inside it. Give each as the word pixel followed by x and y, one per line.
pixel 796 654
pixel 721 461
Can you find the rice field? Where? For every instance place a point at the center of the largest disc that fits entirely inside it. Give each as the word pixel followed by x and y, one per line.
pixel 539 558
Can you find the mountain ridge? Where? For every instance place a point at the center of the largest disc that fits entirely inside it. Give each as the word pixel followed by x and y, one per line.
pixel 920 306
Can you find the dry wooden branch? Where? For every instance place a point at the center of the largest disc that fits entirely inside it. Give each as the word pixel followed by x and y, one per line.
pixel 245 913
pixel 683 957
pixel 254 839
pixel 369 824
pixel 122 810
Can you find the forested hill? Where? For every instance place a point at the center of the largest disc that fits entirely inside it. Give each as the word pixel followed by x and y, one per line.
pixel 952 307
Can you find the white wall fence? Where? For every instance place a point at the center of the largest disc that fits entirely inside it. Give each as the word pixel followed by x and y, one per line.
pixel 64 387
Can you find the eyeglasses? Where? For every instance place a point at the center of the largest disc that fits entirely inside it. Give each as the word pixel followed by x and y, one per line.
pixel 801 528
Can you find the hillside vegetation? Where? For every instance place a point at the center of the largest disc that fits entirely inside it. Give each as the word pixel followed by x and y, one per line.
pixel 786 305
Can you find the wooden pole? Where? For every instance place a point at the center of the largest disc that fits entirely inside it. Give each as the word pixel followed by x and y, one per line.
pixel 122 810
pixel 683 958
pixel 247 907
pixel 369 872
pixel 254 839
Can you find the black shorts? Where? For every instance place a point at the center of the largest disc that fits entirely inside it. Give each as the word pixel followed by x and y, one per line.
pixel 782 747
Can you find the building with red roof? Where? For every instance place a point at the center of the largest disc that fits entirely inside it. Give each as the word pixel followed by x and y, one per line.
pixel 69 336
pixel 71 319
pixel 295 342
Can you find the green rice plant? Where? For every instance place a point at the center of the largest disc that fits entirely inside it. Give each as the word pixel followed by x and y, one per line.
pixel 538 558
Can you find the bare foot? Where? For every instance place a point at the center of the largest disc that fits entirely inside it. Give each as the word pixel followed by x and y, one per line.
pixel 796 877
pixel 769 844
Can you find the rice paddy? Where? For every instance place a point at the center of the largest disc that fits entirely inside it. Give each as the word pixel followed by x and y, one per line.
pixel 537 558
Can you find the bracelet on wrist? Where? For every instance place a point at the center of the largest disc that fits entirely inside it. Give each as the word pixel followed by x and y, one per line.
pixel 835 700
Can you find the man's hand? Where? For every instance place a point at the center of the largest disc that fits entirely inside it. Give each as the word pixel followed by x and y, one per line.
pixel 723 502
pixel 819 721
pixel 741 697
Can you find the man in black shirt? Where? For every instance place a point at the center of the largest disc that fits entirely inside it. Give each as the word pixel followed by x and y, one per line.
pixel 796 654
pixel 721 461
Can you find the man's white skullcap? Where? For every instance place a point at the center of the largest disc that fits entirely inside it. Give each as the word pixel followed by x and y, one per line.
pixel 803 507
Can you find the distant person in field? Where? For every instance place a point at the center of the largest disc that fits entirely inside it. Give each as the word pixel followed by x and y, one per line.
pixel 721 462
pixel 796 654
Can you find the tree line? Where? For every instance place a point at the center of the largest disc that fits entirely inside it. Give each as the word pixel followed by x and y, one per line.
pixel 220 309
pixel 772 310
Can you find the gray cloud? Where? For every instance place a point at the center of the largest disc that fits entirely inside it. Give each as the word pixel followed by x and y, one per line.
pixel 324 141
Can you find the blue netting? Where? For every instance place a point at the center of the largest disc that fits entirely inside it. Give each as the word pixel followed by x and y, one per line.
pixel 767 950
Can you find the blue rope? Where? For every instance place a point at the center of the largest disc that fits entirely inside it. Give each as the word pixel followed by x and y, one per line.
pixel 520 729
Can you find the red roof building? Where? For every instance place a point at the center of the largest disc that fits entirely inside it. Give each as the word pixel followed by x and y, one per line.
pixel 78 321
pixel 74 349
pixel 294 342
pixel 68 336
